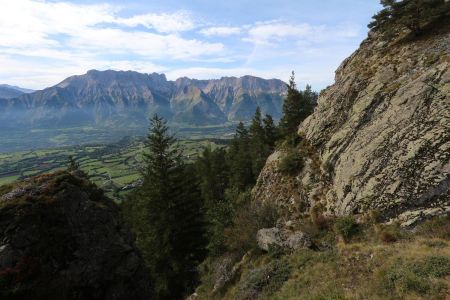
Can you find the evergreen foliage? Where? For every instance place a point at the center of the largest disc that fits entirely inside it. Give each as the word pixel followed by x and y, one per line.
pixel 240 160
pixel 213 171
pixel 270 132
pixel 166 215
pixel 297 106
pixel 259 148
pixel 411 14
pixel 72 165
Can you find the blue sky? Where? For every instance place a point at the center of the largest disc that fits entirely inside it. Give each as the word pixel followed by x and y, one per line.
pixel 42 41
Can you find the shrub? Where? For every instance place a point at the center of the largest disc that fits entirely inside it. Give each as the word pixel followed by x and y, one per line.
pixel 389 233
pixel 320 221
pixel 264 280
pixel 346 227
pixel 291 163
pixel 248 219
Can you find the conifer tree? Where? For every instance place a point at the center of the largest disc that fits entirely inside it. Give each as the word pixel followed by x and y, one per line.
pixel 165 214
pixel 73 165
pixel 411 14
pixel 296 108
pixel 239 157
pixel 213 171
pixel 259 150
pixel 270 132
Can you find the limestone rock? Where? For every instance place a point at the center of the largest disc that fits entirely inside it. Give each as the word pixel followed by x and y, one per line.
pixel 282 238
pixel 381 133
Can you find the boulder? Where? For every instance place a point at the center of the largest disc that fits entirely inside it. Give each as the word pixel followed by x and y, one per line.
pixel 282 238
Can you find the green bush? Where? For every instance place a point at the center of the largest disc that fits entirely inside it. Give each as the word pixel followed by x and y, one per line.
pixel 346 227
pixel 248 219
pixel 291 163
pixel 264 280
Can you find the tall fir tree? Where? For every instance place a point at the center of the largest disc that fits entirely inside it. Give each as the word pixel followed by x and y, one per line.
pixel 259 150
pixel 213 171
pixel 166 215
pixel 270 132
pixel 239 158
pixel 296 108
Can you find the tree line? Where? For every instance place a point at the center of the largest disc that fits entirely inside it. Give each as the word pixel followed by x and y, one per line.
pixel 185 212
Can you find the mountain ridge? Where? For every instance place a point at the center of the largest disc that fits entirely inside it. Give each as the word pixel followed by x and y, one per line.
pixel 105 97
pixel 10 91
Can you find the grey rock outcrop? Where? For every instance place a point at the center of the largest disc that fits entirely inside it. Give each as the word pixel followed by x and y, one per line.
pixel 61 238
pixel 381 135
pixel 267 237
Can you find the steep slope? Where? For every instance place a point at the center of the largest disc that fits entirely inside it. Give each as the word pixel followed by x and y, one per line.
pixel 61 238
pixel 7 92
pixel 129 98
pixel 239 97
pixel 191 105
pixel 379 138
pixel 99 97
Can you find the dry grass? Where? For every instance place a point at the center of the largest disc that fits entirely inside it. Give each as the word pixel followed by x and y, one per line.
pixel 380 262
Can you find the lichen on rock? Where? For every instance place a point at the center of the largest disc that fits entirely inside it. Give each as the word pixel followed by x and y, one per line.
pixel 382 134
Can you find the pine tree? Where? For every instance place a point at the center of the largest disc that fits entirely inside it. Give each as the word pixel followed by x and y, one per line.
pixel 411 14
pixel 213 171
pixel 72 165
pixel 165 214
pixel 259 150
pixel 239 157
pixel 296 108
pixel 270 132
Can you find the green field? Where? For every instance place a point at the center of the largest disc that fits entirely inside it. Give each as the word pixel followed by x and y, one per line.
pixel 113 167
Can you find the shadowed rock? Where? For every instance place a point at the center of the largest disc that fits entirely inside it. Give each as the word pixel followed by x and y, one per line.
pixel 61 238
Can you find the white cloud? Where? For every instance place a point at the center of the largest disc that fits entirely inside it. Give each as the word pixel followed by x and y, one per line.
pixel 266 34
pixel 44 41
pixel 46 28
pixel 220 31
pixel 165 23
pixel 273 33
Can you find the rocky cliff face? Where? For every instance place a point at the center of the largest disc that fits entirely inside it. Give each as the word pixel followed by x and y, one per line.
pixel 60 238
pixel 379 137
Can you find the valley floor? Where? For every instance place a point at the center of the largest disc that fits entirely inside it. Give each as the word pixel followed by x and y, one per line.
pixel 113 167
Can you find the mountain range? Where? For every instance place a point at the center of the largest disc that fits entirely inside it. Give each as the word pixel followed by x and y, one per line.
pixel 9 91
pixel 128 98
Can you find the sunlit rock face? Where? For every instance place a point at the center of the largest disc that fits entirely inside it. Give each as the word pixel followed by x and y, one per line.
pixel 381 134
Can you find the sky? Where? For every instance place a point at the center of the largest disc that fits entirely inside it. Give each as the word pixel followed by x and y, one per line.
pixel 42 42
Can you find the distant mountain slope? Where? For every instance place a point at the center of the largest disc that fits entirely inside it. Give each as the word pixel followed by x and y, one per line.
pixel 8 91
pixel 128 98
